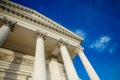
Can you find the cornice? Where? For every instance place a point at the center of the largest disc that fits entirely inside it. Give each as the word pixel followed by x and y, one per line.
pixel 39 19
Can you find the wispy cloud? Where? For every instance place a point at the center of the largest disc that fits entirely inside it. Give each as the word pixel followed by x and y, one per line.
pixel 101 43
pixel 81 33
pixel 112 48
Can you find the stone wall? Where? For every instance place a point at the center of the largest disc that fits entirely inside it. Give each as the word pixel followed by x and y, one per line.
pixel 18 66
pixel 15 66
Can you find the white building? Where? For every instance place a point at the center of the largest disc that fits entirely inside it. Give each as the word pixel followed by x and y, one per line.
pixel 33 47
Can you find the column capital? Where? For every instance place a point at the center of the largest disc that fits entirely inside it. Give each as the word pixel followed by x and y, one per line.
pixel 39 34
pixel 79 48
pixel 52 56
pixel 9 23
pixel 61 43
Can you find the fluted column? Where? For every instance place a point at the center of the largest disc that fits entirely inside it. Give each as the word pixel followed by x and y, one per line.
pixel 54 69
pixel 88 67
pixel 69 67
pixel 39 61
pixel 5 29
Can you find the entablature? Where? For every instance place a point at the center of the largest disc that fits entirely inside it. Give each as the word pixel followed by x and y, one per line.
pixel 37 18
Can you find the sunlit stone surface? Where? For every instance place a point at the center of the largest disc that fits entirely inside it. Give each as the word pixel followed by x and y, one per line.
pixel 33 47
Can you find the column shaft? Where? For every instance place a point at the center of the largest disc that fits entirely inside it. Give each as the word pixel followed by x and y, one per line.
pixel 54 69
pixel 69 67
pixel 91 72
pixel 39 64
pixel 4 31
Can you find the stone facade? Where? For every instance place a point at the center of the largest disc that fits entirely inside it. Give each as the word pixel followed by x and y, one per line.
pixel 19 66
pixel 15 66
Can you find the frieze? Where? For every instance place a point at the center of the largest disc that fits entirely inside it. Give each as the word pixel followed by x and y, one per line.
pixel 16 59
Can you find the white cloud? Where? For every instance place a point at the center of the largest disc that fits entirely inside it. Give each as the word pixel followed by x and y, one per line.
pixel 112 48
pixel 101 43
pixel 81 33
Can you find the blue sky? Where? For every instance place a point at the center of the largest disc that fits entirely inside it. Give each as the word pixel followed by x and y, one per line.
pixel 97 21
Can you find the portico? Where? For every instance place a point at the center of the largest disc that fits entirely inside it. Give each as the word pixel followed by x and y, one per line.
pixel 50 46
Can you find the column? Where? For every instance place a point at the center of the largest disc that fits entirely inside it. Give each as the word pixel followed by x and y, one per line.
pixel 39 61
pixel 69 67
pixel 5 29
pixel 88 67
pixel 54 69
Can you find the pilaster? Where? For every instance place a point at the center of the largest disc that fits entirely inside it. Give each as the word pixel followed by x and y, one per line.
pixel 54 69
